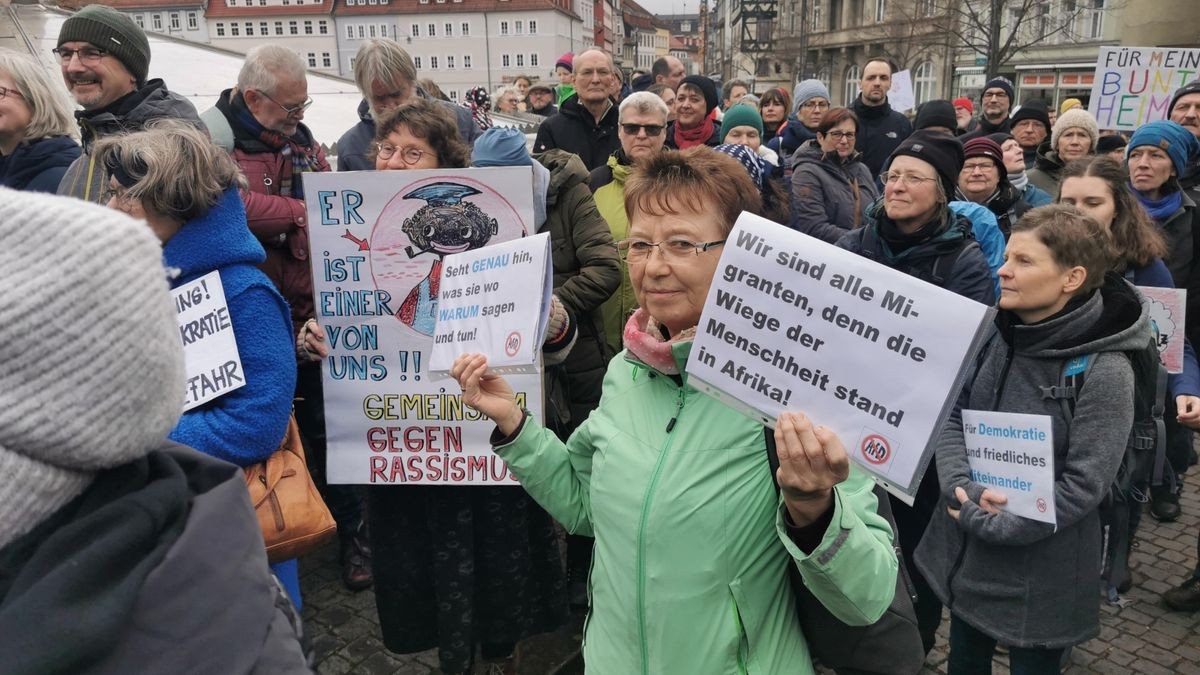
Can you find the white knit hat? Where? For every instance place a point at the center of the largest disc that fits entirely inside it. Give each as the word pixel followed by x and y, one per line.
pixel 91 364
pixel 1075 118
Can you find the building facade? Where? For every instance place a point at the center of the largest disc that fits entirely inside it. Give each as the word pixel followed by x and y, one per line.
pixel 304 26
pixel 174 18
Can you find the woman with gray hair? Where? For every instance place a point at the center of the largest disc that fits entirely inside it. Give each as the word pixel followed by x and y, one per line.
pixel 37 131
pixel 186 189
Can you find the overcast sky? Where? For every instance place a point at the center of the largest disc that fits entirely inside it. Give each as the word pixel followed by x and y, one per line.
pixel 671 6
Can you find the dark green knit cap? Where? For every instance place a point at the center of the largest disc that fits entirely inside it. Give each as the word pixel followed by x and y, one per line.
pixel 112 31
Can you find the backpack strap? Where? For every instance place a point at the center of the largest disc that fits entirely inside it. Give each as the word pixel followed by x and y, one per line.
pixel 1070 382
pixel 1160 427
pixel 943 266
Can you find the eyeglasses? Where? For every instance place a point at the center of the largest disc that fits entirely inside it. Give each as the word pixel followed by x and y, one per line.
pixel 409 156
pixel 982 167
pixel 637 251
pixel 815 105
pixel 994 94
pixel 292 111
pixel 5 92
pixel 88 56
pixel 839 135
pixel 650 129
pixel 909 180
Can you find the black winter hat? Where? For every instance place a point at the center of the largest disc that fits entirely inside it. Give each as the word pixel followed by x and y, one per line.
pixel 1033 110
pixel 114 32
pixel 706 87
pixel 641 82
pixel 938 113
pixel 941 151
pixel 998 83
pixel 1107 144
pixel 1192 87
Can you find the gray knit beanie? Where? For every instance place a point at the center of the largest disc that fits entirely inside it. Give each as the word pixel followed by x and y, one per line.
pixel 92 370
pixel 807 90
pixel 112 31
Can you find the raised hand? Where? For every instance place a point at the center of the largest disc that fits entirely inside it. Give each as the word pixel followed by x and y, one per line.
pixel 486 391
pixel 812 460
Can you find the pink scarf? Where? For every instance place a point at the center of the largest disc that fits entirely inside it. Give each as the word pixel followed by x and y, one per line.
pixel 645 339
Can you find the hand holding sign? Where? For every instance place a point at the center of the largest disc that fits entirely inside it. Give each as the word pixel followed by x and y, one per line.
pixel 486 391
pixel 812 460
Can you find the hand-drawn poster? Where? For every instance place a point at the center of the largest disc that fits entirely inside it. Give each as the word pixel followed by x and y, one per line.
pixel 377 243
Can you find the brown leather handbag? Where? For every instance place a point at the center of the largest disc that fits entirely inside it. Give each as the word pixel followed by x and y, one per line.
pixel 293 517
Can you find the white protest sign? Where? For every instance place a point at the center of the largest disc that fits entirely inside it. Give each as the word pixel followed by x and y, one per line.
pixel 495 300
pixel 210 351
pixel 901 96
pixel 378 242
pixel 1134 85
pixel 1013 454
pixel 794 323
pixel 1167 319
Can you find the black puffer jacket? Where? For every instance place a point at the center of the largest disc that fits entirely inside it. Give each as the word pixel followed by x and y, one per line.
pixel 158 567
pixel 880 130
pixel 575 130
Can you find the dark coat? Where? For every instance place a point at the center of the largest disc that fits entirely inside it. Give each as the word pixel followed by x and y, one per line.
pixel 354 147
pixel 39 165
pixel 1009 205
pixel 986 128
pixel 1048 172
pixel 789 139
pixel 129 113
pixel 880 130
pixel 1017 580
pixel 829 196
pixel 712 141
pixel 575 130
pixel 158 567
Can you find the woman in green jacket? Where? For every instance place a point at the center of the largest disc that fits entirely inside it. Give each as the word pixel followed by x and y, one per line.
pixel 692 541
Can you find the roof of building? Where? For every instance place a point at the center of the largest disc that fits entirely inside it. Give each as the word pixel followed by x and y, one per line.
pixel 451 7
pixel 135 4
pixel 222 8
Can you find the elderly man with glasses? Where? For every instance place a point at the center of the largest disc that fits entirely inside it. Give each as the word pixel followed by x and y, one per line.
pixel 586 123
pixel 105 58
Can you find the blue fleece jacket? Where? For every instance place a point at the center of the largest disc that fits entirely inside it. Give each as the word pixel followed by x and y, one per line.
pixel 987 232
pixel 38 166
pixel 246 425
pixel 1156 275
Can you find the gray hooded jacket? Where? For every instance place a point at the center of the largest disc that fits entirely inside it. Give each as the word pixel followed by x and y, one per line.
pixel 1018 580
pixel 829 196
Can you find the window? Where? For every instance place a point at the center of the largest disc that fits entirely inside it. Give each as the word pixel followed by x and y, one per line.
pixel 880 10
pixel 351 63
pixel 518 27
pixel 362 32
pixel 416 30
pixel 1095 20
pixel 234 29
pixel 308 27
pixel 175 23
pixel 532 27
pixel 220 29
pixel 465 29
pixel 448 30
pixel 504 61
pixel 326 60
pixel 431 30
pixel 279 28
pixel 454 92
pixel 141 22
pixel 371 30
pixel 504 28
pixel 924 82
pixel 248 2
pixel 157 19
pixel 433 63
pixel 466 61
pixel 293 28
pixel 417 62
pixel 262 3
pixel 249 28
pixel 312 60
pixel 520 60
pixel 533 60
pixel 264 28
pixel 851 89
pixel 449 63
pixel 323 27
pixel 927 8
pixel 816 15
pixel 383 30
pixel 424 2
pixel 349 32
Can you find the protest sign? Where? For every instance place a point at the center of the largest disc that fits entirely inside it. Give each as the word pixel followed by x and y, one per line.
pixel 901 96
pixel 378 242
pixel 1134 85
pixel 210 351
pixel 1013 454
pixel 1167 319
pixel 495 300
pixel 794 323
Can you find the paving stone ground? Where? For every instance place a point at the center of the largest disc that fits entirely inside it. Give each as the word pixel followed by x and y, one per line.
pixel 1143 637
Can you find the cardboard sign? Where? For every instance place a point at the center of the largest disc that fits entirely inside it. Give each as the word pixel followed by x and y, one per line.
pixel 495 300
pixel 1013 454
pixel 210 351
pixel 1134 85
pixel 901 96
pixel 379 241
pixel 1167 306
pixel 794 323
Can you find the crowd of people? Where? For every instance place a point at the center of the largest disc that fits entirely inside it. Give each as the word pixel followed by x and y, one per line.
pixel 682 545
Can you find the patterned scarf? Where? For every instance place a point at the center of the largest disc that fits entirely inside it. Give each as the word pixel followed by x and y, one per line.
pixel 299 147
pixel 645 339
pixel 479 103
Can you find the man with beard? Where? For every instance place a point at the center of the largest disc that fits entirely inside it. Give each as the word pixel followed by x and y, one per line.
pixel 105 58
pixel 996 100
pixel 881 129
pixel 1185 111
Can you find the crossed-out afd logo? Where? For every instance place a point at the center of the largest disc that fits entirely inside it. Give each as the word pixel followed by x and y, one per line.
pixel 512 344
pixel 875 448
